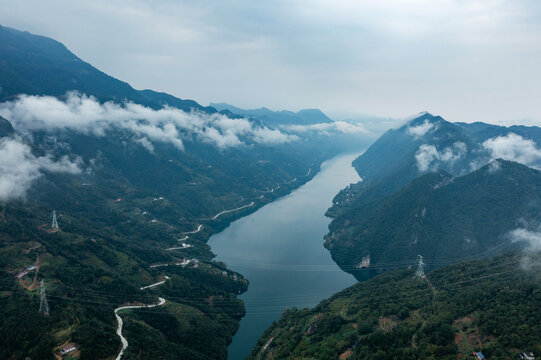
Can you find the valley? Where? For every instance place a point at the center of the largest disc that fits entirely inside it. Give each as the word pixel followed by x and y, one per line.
pixel 136 197
pixel 278 249
pixel 274 217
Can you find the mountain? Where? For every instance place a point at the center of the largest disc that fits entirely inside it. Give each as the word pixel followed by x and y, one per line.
pixel 313 116
pixel 439 216
pixel 382 217
pixel 489 306
pixel 37 65
pixel 482 132
pixel 139 182
pixel 274 118
pixel 430 143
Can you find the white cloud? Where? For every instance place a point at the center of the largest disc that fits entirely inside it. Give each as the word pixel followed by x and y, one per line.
pixel 428 157
pixel 146 143
pixel 343 127
pixel 532 238
pixel 514 147
pixel 168 125
pixel 367 56
pixel 19 168
pixel 494 166
pixel 271 136
pixel 420 130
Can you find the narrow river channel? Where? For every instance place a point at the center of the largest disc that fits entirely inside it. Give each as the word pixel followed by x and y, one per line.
pixel 279 249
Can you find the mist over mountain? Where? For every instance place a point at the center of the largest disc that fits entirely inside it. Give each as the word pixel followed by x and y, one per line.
pixel 450 192
pixel 430 143
pixel 109 194
pixel 139 181
pixel 440 216
pixel 442 190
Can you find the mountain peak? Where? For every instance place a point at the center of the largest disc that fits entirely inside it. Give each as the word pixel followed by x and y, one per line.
pixel 313 115
pixel 422 118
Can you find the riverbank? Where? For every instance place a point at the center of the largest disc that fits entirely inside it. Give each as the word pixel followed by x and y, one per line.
pixel 279 249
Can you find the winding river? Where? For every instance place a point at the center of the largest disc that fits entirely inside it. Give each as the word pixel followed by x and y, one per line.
pixel 279 249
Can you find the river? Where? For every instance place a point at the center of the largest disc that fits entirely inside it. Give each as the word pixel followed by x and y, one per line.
pixel 279 249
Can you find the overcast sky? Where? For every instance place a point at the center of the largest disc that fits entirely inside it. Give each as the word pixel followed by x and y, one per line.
pixel 466 60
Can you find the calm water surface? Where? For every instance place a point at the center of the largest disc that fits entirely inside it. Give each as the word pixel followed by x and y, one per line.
pixel 279 249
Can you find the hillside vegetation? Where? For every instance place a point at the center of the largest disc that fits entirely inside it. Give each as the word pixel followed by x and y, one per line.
pixel 441 217
pixel 489 305
pixel 139 181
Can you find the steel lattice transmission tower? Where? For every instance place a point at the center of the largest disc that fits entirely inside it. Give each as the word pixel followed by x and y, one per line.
pixel 54 225
pixel 43 304
pixel 420 267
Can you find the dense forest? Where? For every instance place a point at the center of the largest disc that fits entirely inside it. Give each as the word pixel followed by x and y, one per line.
pixel 488 305
pixel 442 217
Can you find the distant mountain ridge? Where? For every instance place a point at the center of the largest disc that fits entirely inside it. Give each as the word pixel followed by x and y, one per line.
pixel 283 117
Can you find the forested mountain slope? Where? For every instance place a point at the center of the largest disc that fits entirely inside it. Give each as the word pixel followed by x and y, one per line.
pixel 139 180
pixel 429 143
pixel 489 305
pixel 439 216
pixel 37 65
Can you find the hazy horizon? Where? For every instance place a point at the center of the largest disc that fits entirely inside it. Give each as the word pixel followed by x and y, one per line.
pixel 466 61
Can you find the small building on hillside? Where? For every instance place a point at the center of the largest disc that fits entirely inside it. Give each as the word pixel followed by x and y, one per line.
pixel 67 349
pixel 527 355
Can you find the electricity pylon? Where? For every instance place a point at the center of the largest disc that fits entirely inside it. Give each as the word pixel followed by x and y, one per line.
pixel 43 304
pixel 54 225
pixel 420 267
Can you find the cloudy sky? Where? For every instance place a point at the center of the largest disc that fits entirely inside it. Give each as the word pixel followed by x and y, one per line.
pixel 467 60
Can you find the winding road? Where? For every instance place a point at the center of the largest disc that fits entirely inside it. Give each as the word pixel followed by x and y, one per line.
pixel 160 302
pixel 199 227
pixel 231 210
pixel 156 284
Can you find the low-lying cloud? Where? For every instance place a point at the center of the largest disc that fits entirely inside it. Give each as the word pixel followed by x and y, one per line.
pixel 531 237
pixel 420 130
pixel 86 115
pixel 514 147
pixel 428 157
pixel 343 127
pixel 19 168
